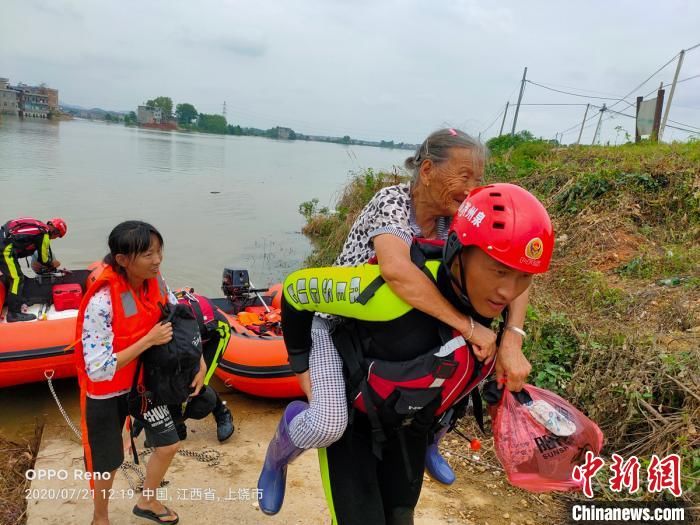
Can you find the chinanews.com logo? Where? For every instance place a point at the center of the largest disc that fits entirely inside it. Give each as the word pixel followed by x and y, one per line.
pixel 601 512
pixel 662 475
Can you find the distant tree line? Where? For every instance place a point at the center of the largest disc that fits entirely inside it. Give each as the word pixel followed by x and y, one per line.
pixel 189 118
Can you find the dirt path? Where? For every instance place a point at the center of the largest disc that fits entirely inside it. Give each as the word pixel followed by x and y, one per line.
pixel 225 493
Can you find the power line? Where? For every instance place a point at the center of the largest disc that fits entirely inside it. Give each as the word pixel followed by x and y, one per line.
pixel 684 124
pixel 647 79
pixel 551 104
pixel 628 94
pixel 492 123
pixel 678 82
pixel 688 78
pixel 576 126
pixel 569 93
pixel 502 110
pixel 611 95
pixel 683 129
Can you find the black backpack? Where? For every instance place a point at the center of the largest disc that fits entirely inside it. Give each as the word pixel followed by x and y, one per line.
pixel 169 369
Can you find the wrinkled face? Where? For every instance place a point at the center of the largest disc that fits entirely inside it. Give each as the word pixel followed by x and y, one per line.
pixel 491 285
pixel 143 265
pixel 449 182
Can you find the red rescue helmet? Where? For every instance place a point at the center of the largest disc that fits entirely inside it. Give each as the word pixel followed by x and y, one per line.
pixel 60 225
pixel 508 223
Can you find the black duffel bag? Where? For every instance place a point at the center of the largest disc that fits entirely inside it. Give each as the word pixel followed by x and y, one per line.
pixel 169 369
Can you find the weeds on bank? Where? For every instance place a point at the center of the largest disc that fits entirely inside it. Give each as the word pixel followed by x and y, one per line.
pixel 667 261
pixel 327 229
pixel 15 460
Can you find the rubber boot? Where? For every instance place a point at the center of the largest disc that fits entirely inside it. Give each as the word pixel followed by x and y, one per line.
pixel 280 452
pixel 224 422
pixel 436 465
pixel 14 317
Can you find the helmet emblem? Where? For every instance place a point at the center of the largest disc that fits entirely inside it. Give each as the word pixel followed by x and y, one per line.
pixel 534 248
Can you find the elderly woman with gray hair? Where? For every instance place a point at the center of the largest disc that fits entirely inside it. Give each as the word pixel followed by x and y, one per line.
pixel 445 168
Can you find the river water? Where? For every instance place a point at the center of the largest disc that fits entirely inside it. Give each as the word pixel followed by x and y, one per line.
pixel 218 201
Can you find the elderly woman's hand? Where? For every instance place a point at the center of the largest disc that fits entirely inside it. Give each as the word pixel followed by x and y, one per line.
pixel 483 340
pixel 512 367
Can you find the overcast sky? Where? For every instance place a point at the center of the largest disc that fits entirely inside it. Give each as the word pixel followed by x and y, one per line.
pixel 376 69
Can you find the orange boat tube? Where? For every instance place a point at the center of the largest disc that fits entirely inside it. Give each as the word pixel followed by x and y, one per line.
pixel 31 350
pixel 255 363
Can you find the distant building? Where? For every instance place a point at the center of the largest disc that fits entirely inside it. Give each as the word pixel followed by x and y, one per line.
pixel 9 103
pixel 52 95
pixel 149 115
pixel 284 133
pixel 32 102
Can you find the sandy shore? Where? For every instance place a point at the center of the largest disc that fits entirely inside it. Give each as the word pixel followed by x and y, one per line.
pixel 225 493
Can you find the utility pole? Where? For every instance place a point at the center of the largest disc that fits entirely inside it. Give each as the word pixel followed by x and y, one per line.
pixel 637 136
pixel 670 95
pixel 520 97
pixel 597 128
pixel 580 132
pixel 505 113
pixel 657 116
pixel 224 110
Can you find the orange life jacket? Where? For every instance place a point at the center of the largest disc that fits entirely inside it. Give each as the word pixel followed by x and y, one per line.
pixel 133 316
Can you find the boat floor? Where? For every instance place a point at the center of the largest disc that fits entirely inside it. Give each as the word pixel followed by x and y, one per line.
pixel 51 315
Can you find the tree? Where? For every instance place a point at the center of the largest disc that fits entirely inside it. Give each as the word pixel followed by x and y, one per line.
pixel 130 118
pixel 164 103
pixel 346 139
pixel 185 113
pixel 212 123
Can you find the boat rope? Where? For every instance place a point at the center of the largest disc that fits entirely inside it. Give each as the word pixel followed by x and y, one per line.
pixel 208 456
pixel 48 374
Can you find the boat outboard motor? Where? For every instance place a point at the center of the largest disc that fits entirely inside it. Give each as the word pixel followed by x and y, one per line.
pixel 239 291
pixel 235 284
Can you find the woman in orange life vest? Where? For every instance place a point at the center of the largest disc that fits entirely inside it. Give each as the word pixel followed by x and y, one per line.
pixel 119 320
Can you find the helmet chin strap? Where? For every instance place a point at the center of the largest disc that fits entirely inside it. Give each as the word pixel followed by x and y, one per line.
pixel 461 283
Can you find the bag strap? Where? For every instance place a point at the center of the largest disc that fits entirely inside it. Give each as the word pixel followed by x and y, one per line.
pixel 199 316
pixel 370 290
pixel 134 391
pixel 168 311
pixel 344 339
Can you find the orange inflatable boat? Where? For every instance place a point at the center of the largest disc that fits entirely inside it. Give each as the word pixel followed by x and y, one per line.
pixel 31 349
pixel 255 360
